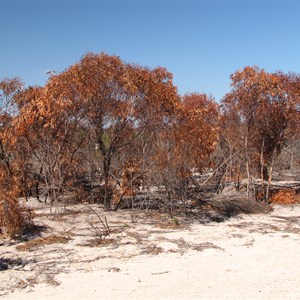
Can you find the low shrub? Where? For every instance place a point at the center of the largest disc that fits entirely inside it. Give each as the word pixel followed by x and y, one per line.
pixel 14 218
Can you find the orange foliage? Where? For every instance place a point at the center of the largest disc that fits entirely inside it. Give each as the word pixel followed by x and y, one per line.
pixel 196 133
pixel 285 196
pixel 107 122
pixel 130 180
pixel 263 107
pixel 13 218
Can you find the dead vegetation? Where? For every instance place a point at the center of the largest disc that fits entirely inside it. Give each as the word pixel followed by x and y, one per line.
pixel 14 219
pixel 222 207
pixel 9 263
pixel 98 242
pixel 286 196
pixel 152 249
pixel 202 246
pixel 42 241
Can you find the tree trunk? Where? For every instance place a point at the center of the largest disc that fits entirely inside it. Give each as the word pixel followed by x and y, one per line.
pixel 269 180
pixel 247 168
pixel 238 184
pixel 292 157
pixel 262 170
pixel 107 190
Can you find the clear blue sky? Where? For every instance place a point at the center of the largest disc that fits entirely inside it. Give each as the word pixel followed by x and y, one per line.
pixel 200 42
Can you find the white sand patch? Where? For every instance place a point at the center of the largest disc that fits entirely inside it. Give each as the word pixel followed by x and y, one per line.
pixel 247 257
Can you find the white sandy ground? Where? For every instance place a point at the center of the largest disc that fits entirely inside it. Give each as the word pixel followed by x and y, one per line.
pixel 247 257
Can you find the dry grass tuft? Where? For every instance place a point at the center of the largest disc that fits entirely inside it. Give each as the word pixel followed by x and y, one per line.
pixel 171 226
pixel 152 249
pixel 33 244
pixel 201 247
pixel 97 242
